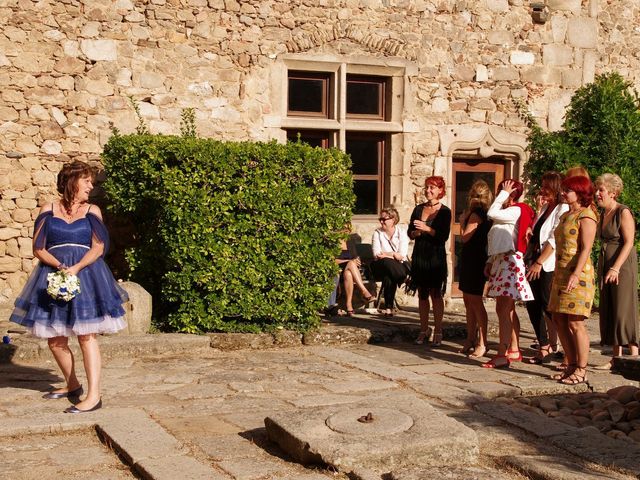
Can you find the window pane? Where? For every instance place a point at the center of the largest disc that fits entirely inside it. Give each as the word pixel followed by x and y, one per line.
pixel 313 138
pixel 308 93
pixel 365 155
pixel 365 96
pixel 366 197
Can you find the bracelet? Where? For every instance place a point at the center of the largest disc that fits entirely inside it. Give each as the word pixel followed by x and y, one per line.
pixel 538 263
pixel 613 269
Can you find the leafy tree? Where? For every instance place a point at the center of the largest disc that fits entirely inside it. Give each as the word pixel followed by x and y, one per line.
pixel 601 132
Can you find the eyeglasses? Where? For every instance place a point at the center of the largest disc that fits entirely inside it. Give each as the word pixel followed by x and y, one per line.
pixel 384 219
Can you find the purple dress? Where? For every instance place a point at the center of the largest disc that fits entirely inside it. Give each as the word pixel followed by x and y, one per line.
pixel 98 306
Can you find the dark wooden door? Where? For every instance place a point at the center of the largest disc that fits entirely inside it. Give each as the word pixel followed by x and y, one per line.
pixel 466 171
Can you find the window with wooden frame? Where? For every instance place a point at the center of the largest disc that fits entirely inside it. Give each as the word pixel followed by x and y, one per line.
pixel 367 151
pixel 366 97
pixel 350 110
pixel 315 138
pixel 309 94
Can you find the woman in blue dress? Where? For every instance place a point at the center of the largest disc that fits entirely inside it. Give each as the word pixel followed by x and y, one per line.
pixel 69 235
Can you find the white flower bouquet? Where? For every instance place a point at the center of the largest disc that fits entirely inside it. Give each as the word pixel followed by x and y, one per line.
pixel 62 286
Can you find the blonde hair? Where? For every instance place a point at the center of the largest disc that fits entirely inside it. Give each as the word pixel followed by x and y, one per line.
pixel 612 181
pixel 393 213
pixel 479 196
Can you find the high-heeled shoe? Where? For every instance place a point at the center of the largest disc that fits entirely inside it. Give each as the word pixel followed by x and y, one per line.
pixel 74 409
pixel 71 394
pixel 422 337
pixel 437 340
pixel 541 356
pixel 467 347
pixel 514 355
pixel 369 300
pixel 493 364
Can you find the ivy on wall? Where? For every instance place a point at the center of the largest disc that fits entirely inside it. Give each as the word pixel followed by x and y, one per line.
pixel 231 236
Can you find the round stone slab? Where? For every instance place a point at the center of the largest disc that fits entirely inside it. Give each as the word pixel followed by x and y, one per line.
pixel 385 421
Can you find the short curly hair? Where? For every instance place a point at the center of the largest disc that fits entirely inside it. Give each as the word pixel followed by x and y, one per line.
pixel 438 182
pixel 612 181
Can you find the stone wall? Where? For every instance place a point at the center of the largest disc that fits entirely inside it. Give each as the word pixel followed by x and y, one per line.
pixel 67 68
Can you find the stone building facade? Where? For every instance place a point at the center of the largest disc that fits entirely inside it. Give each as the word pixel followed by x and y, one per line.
pixel 409 87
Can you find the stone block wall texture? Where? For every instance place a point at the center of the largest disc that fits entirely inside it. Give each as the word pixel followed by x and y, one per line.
pixel 67 68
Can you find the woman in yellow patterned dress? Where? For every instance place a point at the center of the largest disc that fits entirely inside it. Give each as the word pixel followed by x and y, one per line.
pixel 573 285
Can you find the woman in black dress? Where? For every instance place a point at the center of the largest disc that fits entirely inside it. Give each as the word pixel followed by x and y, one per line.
pixel 429 227
pixel 474 227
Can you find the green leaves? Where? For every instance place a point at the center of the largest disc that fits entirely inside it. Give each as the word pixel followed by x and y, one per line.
pixel 601 132
pixel 231 236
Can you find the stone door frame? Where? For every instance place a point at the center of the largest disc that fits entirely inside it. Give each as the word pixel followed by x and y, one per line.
pixel 482 142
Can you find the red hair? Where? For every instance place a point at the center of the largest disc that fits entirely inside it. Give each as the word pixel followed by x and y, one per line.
pixel 518 188
pixel 438 182
pixel 583 188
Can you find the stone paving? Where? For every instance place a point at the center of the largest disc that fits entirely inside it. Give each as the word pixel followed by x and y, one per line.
pixel 199 413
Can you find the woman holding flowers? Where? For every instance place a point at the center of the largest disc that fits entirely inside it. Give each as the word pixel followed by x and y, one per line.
pixel 70 238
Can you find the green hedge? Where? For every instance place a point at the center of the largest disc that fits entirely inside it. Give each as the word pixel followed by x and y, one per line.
pixel 231 236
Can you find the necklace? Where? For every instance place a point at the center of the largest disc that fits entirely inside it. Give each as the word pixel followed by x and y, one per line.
pixel 69 214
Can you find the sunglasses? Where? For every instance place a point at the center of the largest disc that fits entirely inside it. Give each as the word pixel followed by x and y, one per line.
pixel 384 219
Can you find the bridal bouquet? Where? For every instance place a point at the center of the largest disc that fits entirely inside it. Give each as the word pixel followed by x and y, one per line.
pixel 62 286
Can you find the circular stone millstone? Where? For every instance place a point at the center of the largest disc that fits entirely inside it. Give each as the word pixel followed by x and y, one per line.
pixel 385 421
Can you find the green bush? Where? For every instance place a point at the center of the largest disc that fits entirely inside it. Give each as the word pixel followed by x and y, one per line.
pixel 601 132
pixel 231 236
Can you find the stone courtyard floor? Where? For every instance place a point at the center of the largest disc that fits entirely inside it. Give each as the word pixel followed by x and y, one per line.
pixel 179 409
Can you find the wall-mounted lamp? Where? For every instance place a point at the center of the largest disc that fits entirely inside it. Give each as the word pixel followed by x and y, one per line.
pixel 539 12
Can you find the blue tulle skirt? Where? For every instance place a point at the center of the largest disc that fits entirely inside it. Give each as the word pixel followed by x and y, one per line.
pixel 96 309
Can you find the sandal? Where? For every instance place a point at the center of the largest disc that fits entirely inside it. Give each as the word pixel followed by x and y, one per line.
pixel 422 337
pixel 575 378
pixel 514 355
pixel 346 313
pixel 370 299
pixel 567 372
pixel 542 354
pixel 479 351
pixel 467 347
pixel 437 340
pixel 492 363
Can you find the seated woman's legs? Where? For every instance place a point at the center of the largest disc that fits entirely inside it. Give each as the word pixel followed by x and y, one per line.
pixel 352 267
pixel 347 281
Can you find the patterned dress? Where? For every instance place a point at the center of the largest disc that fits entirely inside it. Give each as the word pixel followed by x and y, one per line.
pixel 580 299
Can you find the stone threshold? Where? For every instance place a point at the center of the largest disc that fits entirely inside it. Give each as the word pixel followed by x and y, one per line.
pixel 25 348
